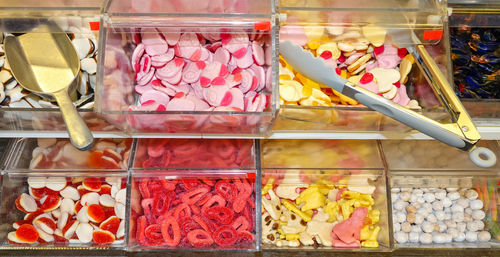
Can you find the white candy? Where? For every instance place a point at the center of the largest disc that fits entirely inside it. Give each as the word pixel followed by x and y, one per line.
pixel 413 237
pixel 476 204
pixel 405 196
pixel 395 190
pixel 437 205
pixel 400 217
pixel 418 191
pixel 427 227
pixel 471 194
pixel 37 182
pixel 461 226
pixel 460 237
pixel 471 236
pixel 484 236
pixel 67 205
pixel 71 193
pixel 439 238
pixel 394 197
pixel 416 228
pixel 56 183
pixel 478 214
pixel 419 219
pixel 396 227
pixel 401 237
pixel 120 210
pixel 440 215
pixel 448 238
pixel 442 227
pixel 475 225
pixel 426 238
pixel 451 189
pixel 446 202
pixel 457 208
pixel 453 232
pixel 429 197
pixel 440 194
pixel 84 232
pixel 121 196
pixel 457 216
pixel 82 215
pixel 121 229
pixel 450 223
pixel 463 202
pixel 400 205
pixel 90 198
pixel 453 195
pixel 431 218
pixel 468 211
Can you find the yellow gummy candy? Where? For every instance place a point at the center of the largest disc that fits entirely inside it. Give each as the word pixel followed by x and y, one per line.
pixel 332 208
pixel 374 215
pixel 290 237
pixel 312 197
pixel 369 244
pixel 365 233
pixel 268 186
pixel 307 91
pixel 292 207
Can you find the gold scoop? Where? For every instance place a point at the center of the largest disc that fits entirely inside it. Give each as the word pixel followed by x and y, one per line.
pixel 46 63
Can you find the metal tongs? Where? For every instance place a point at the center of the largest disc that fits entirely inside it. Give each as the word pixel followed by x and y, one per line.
pixel 460 132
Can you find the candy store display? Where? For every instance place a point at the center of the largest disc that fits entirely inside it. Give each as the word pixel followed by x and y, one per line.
pixel 63 211
pixel 59 154
pixel 438 216
pixel 85 42
pixel 193 211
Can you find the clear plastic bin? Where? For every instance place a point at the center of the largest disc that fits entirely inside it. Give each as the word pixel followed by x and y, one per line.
pixel 472 199
pixel 124 25
pixel 157 205
pixel 305 183
pixel 467 15
pixel 62 210
pixel 314 23
pixel 50 154
pixel 80 20
pixel 430 155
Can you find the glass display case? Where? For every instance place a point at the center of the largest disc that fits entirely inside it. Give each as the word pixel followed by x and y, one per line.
pixel 186 68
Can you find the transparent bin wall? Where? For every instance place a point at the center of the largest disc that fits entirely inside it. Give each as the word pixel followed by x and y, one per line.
pixel 482 185
pixel 22 110
pixel 53 154
pixel 159 199
pixel 120 97
pixel 314 23
pixel 430 155
pixel 157 154
pixel 467 16
pixel 20 189
pixel 314 171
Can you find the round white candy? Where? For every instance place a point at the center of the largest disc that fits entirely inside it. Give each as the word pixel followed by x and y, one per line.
pixel 476 204
pixel 437 205
pixel 478 214
pixel 440 194
pixel 447 238
pixel 461 226
pixel 425 238
pixel 394 197
pixel 453 232
pixel 457 216
pixel 442 227
pixel 427 227
pixel 447 215
pixel 460 237
pixel 400 205
pixel 453 195
pixel 416 228
pixel 471 194
pixel 468 211
pixel 413 237
pixel 463 202
pixel 484 236
pixel 406 227
pixel 414 198
pixel 446 202
pixel 457 208
pixel 471 236
pixel 450 223
pixel 417 191
pixel 431 218
pixel 440 215
pixel 395 190
pixel 472 226
pixel 401 237
pixel 400 217
pixel 419 218
pixel 429 197
pixel 405 196
pixel 396 227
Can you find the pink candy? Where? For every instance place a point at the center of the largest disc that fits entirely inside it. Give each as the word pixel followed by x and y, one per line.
pixel 187 71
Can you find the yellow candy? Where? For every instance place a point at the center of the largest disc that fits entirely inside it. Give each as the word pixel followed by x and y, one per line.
pixel 307 91
pixel 268 186
pixel 312 197
pixel 346 209
pixel 374 235
pixel 332 208
pixel 374 215
pixel 314 32
pixel 350 195
pixel 285 77
pixel 369 244
pixel 307 82
pixel 314 44
pixel 290 90
pixel 290 237
pixel 365 233
pixel 332 47
pixel 296 210
pixel 355 79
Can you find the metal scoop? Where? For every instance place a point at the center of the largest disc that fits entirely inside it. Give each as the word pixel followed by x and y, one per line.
pixel 46 63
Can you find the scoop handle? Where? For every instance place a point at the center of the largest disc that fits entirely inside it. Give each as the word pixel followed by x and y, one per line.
pixel 79 133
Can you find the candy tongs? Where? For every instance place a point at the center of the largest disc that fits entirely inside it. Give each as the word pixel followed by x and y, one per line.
pixel 460 132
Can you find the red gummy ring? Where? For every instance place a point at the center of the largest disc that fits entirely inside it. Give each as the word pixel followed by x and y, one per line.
pixel 153 235
pixel 241 223
pixel 161 203
pixel 245 237
pixel 226 190
pixel 187 224
pixel 190 183
pixel 204 199
pixel 143 188
pixel 221 214
pixel 194 209
pixel 201 222
pixel 192 196
pixel 182 209
pixel 168 185
pixel 214 199
pixel 199 238
pixel 168 227
pixel 225 235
